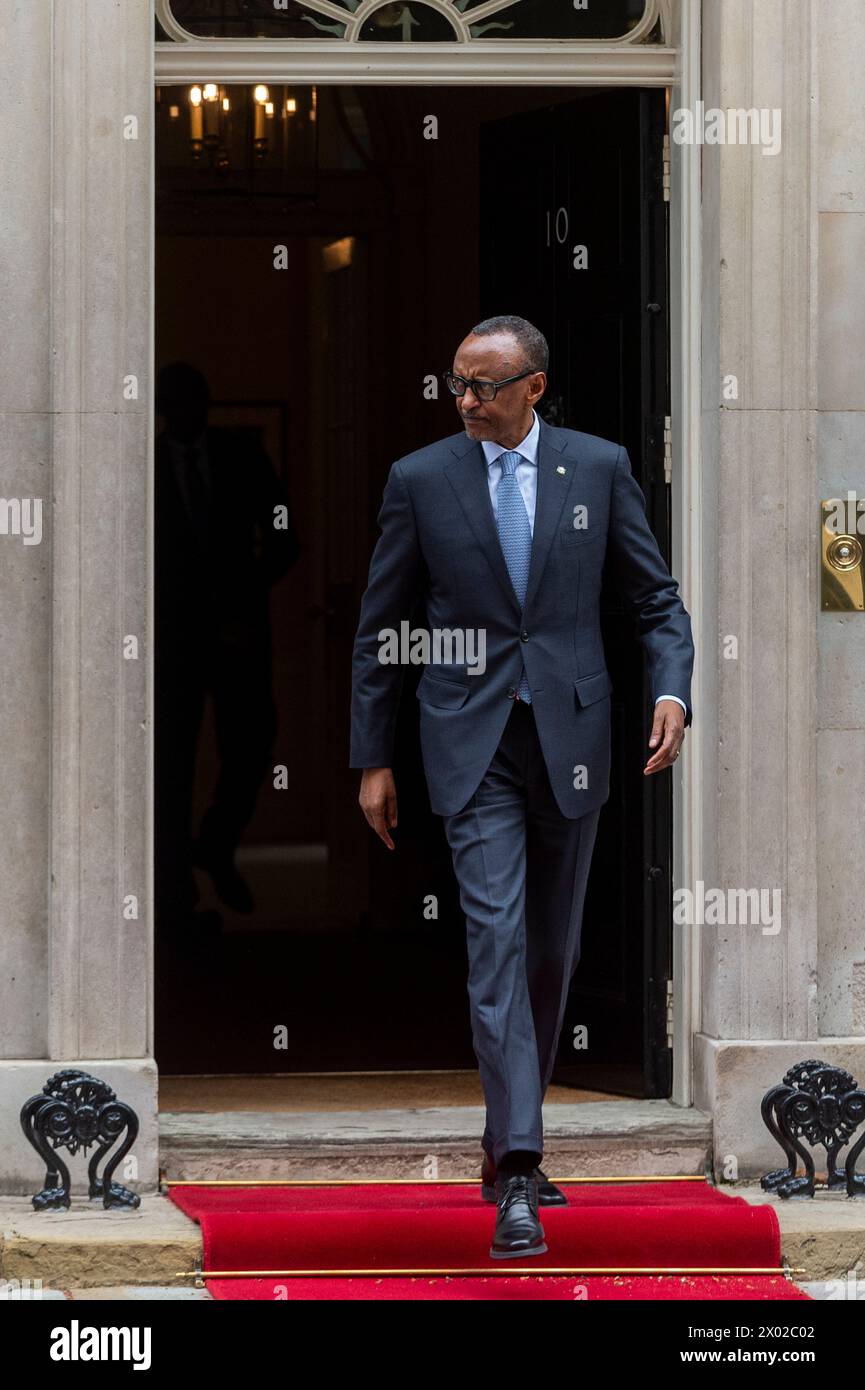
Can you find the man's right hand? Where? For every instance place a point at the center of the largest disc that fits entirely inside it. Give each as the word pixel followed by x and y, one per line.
pixel 378 801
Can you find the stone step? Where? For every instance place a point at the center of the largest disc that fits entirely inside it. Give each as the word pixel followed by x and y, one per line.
pixel 823 1235
pixel 87 1246
pixel 613 1138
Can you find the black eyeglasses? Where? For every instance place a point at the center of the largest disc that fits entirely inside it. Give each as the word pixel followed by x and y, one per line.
pixel 483 390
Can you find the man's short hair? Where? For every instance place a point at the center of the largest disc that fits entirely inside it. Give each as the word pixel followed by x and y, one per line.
pixel 179 383
pixel 530 340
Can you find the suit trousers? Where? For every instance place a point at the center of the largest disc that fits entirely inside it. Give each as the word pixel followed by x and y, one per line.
pixel 522 869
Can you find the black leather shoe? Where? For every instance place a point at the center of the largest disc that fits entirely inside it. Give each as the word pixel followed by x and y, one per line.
pixel 518 1231
pixel 548 1194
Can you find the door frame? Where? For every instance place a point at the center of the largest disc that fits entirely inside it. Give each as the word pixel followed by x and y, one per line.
pixel 674 66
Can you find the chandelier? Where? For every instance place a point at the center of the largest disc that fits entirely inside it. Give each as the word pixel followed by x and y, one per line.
pixel 225 123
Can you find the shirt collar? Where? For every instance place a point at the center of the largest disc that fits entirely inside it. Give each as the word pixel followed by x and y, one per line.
pixel 178 448
pixel 528 448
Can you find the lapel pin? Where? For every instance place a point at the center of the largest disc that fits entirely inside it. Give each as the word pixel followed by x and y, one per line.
pixel 561 470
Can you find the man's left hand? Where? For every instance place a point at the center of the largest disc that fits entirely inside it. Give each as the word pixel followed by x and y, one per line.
pixel 667 737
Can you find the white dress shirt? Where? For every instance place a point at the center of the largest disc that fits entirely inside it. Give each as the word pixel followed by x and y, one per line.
pixel 527 469
pixel 527 478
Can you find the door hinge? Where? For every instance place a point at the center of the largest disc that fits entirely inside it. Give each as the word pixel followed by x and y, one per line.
pixel 668 449
pixel 666 179
pixel 669 1013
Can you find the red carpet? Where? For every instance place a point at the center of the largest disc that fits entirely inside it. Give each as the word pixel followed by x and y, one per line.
pixel 433 1227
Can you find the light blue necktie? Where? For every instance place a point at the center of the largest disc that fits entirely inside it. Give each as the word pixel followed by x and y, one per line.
pixel 515 535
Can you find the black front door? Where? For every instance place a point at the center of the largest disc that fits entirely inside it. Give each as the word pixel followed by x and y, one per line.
pixel 573 237
pixel 395 246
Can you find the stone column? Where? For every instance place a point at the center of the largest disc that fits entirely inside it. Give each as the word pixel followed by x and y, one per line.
pixel 773 285
pixel 75 431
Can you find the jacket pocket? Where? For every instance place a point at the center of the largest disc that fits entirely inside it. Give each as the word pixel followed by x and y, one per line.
pixel 590 689
pixel 443 694
pixel 571 536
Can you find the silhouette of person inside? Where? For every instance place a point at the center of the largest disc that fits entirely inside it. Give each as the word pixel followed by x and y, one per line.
pixel 224 537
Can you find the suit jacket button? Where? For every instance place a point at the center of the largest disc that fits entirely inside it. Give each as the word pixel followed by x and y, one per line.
pixel 512 694
pixel 524 636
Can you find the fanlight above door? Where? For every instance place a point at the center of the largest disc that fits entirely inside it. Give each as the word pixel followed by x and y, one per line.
pixel 417 21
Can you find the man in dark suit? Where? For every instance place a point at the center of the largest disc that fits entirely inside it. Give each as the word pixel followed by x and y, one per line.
pixel 504 529
pixel 224 537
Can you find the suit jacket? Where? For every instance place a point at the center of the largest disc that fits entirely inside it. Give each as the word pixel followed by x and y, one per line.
pixel 214 573
pixel 439 542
